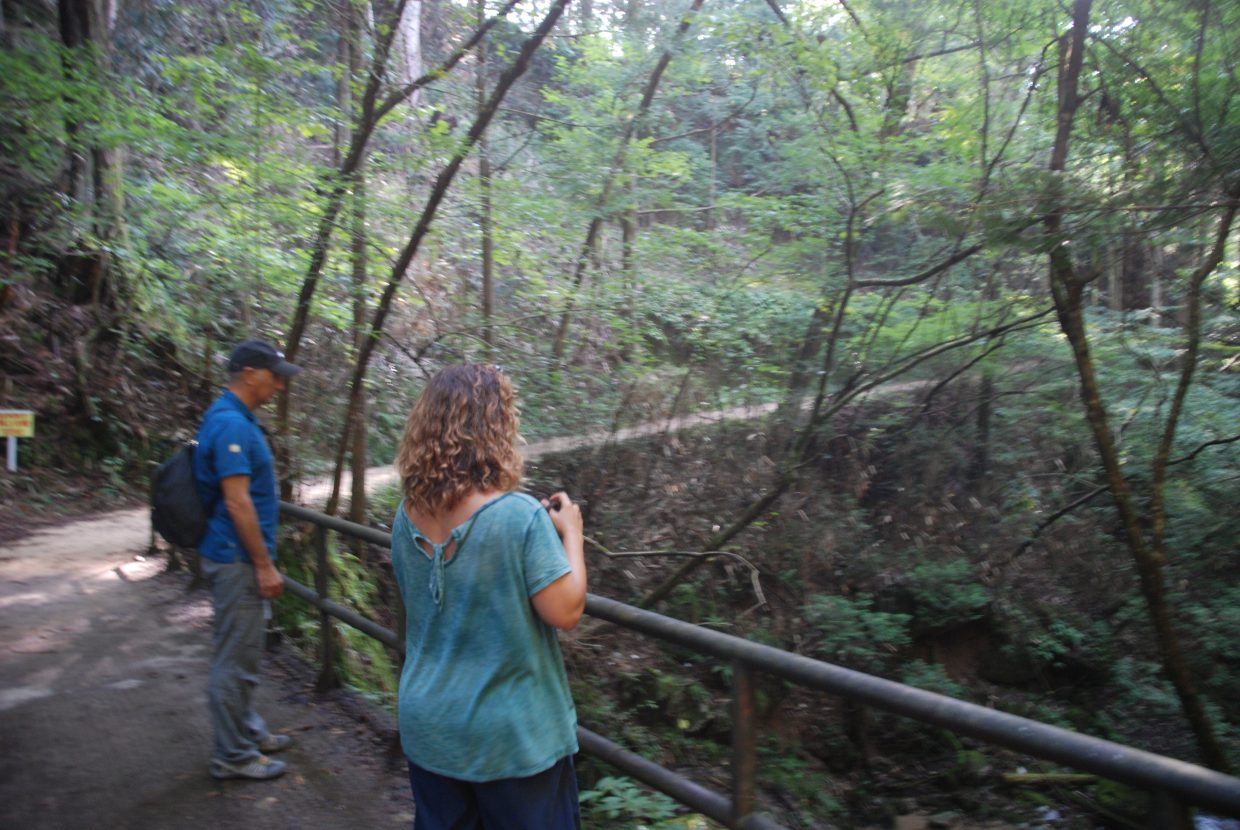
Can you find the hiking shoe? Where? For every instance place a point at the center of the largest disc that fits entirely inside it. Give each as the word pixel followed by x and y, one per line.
pixel 261 768
pixel 274 743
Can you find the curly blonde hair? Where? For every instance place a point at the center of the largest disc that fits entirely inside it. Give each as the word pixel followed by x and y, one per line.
pixel 461 435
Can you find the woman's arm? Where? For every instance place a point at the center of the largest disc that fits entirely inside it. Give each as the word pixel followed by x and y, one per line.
pixel 561 603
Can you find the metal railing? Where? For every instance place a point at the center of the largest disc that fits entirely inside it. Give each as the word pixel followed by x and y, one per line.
pixel 1174 785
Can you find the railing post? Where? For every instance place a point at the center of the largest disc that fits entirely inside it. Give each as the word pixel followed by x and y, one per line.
pixel 399 630
pixel 744 742
pixel 327 674
pixel 1169 812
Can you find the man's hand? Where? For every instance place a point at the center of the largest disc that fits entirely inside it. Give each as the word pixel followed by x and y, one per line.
pixel 270 582
pixel 236 490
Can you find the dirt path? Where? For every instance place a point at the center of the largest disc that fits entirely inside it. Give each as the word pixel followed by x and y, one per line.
pixel 103 722
pixel 314 494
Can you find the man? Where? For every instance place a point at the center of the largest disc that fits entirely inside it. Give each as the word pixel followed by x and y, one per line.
pixel 236 479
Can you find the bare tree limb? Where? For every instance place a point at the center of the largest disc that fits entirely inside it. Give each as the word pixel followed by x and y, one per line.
pixel 1216 443
pixel 922 276
pixel 586 253
pixel 1102 488
pixel 784 476
pixel 442 183
pixel 1067 289
pixel 1188 368
pixel 754 573
pixel 1057 515
pixel 368 120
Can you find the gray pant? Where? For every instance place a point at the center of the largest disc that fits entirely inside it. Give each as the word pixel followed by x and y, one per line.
pixel 238 635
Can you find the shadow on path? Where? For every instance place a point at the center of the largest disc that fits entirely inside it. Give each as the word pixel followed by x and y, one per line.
pixel 103 722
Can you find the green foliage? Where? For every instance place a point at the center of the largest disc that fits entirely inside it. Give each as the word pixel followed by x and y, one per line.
pixel 807 782
pixel 849 631
pixel 363 662
pixel 946 594
pixel 1215 628
pixel 616 802
pixel 932 677
pixel 780 165
pixel 1119 799
pixel 35 95
pixel 1219 622
pixel 1060 640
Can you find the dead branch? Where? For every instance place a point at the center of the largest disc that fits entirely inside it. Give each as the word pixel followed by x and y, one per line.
pixel 442 183
pixel 368 120
pixel 586 254
pixel 754 574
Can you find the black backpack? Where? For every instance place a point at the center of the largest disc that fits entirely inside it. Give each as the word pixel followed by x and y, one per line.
pixel 177 512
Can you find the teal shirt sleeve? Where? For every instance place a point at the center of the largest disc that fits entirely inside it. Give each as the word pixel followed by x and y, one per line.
pixel 483 692
pixel 545 560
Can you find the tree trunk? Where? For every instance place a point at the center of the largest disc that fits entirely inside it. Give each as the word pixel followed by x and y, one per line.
pixel 805 361
pixel 371 115
pixel 1067 289
pixel 484 183
pixel 411 46
pixel 358 454
pixel 438 191
pixel 95 172
pixel 979 465
pixel 357 252
pixel 586 254
pixel 712 192
pixel 336 186
pixel 899 93
pixel 1134 272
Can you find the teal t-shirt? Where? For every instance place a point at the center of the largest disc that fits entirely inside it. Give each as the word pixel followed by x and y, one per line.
pixel 483 694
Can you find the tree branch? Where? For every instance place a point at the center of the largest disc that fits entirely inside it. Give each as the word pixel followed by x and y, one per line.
pixel 586 252
pixel 1215 443
pixel 1188 368
pixel 442 183
pixel 922 276
pixel 339 182
pixel 754 574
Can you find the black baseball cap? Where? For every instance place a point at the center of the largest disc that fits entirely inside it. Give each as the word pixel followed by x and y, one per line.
pixel 255 354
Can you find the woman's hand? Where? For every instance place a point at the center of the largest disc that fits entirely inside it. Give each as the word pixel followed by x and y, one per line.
pixel 562 602
pixel 565 515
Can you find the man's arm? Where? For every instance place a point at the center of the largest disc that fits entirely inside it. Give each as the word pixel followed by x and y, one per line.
pixel 236 490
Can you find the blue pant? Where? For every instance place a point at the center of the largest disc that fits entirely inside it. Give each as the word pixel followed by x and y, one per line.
pixel 545 801
pixel 238 636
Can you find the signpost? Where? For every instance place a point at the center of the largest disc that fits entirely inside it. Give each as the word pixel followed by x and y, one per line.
pixel 14 424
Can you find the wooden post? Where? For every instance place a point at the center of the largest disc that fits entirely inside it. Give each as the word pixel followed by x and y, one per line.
pixel 1168 812
pixel 744 742
pixel 327 674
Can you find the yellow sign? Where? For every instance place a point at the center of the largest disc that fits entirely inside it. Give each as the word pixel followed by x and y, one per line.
pixel 16 423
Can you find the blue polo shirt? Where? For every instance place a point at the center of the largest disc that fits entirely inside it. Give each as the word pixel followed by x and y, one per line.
pixel 232 443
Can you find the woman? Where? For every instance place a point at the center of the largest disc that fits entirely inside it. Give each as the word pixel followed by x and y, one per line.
pixel 486 575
